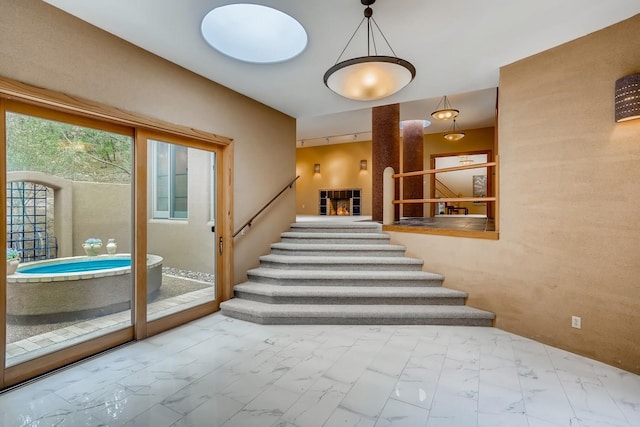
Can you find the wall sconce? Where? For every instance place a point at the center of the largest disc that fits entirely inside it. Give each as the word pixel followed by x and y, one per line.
pixel 316 168
pixel 363 165
pixel 627 98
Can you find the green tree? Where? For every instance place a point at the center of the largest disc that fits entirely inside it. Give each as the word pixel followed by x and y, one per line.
pixel 68 151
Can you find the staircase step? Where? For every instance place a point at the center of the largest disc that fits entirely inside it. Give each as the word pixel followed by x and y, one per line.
pixel 337 227
pixel 355 314
pixel 350 295
pixel 301 262
pixel 346 273
pixel 335 238
pixel 344 278
pixel 338 250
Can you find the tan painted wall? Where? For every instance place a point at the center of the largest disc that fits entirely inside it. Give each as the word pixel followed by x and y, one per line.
pixel 569 205
pixel 46 47
pixel 103 211
pixel 339 169
pixel 474 140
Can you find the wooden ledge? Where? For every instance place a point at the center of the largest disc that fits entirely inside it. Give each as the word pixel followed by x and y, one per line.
pixel 471 234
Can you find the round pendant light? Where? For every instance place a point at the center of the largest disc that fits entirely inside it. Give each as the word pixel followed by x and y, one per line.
pixel 453 134
pixel 446 112
pixel 369 77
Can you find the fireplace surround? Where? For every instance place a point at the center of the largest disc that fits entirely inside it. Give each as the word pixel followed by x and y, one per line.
pixel 343 202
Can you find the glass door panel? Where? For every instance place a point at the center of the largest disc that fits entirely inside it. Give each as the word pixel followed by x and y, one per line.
pixel 181 231
pixel 69 227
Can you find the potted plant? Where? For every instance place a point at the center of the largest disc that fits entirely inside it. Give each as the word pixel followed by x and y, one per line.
pixel 13 260
pixel 91 246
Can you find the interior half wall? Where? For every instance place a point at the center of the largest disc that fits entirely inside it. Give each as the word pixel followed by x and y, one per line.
pixel 569 203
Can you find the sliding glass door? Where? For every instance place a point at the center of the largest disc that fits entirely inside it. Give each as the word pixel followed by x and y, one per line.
pixel 181 227
pixel 111 235
pixel 68 186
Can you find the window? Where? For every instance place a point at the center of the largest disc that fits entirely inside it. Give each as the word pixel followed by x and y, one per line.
pixel 170 180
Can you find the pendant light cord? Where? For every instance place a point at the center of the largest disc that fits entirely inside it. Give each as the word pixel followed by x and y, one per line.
pixel 349 42
pixel 368 15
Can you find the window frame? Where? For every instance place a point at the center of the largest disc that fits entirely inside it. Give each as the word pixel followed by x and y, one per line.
pixel 171 160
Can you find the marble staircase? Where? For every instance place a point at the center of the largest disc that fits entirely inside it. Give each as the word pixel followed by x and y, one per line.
pixel 346 273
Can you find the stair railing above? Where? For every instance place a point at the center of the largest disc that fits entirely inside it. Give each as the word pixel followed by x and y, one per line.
pixel 444 190
pixel 447 199
pixel 396 198
pixel 250 221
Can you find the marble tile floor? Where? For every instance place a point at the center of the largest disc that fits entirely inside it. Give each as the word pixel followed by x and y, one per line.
pixel 219 371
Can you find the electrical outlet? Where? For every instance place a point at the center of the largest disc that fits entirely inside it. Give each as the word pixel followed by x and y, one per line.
pixel 576 322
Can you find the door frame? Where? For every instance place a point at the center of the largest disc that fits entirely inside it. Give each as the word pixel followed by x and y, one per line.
pixel 14 94
pixel 143 327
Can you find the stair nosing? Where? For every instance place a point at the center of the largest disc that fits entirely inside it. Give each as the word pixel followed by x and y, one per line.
pixel 302 259
pixel 378 310
pixel 329 275
pixel 345 224
pixel 336 246
pixel 333 291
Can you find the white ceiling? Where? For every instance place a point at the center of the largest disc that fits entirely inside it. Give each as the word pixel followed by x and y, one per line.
pixel 456 46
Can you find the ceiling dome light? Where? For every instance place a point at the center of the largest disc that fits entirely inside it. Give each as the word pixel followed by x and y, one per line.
pixel 370 77
pixel 446 112
pixel 453 134
pixel 253 33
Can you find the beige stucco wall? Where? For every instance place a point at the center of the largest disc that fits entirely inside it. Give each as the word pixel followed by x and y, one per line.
pixel 339 169
pixel 43 46
pixel 102 211
pixel 569 205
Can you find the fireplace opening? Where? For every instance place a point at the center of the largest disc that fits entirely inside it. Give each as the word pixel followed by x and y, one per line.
pixel 339 206
pixel 344 202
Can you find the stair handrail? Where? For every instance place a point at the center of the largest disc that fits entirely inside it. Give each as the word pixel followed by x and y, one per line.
pixel 442 184
pixel 449 169
pixel 250 221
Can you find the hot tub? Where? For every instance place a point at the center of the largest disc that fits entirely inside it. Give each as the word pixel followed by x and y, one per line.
pixel 75 288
